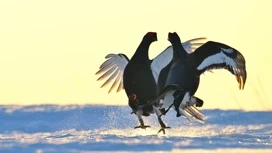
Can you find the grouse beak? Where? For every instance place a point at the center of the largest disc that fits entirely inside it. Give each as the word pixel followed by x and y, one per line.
pixel 169 33
pixel 156 39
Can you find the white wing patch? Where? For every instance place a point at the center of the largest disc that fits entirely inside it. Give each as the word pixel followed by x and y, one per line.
pixel 160 62
pixel 218 58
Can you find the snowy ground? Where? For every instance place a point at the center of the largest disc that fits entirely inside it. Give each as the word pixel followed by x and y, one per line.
pixel 90 128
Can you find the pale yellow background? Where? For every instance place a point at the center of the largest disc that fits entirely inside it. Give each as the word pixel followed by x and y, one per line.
pixel 51 49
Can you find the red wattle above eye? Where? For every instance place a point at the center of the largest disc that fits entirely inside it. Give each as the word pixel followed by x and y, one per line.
pixel 169 34
pixel 150 33
pixel 132 97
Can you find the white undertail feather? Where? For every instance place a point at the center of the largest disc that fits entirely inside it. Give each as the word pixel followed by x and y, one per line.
pixel 198 116
pixel 183 106
pixel 185 99
pixel 193 111
pixel 183 113
pixel 185 109
pixel 168 100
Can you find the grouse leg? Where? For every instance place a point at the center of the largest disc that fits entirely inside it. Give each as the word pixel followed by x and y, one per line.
pixel 142 126
pixel 163 126
pixel 179 96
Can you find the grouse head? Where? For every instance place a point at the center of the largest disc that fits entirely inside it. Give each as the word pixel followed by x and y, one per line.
pixel 150 37
pixel 173 37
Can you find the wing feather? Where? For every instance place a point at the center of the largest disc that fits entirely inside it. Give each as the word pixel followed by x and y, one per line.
pixel 110 55
pixel 116 81
pixel 113 68
pixel 107 62
pixel 121 85
pixel 107 74
pixel 105 68
pixel 112 77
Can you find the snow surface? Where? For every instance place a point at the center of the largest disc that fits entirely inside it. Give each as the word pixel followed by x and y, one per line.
pixel 92 128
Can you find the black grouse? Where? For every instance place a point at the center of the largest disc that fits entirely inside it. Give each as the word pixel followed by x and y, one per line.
pixel 139 83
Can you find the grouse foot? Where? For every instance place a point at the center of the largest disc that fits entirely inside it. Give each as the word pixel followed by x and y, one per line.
pixel 163 129
pixel 142 126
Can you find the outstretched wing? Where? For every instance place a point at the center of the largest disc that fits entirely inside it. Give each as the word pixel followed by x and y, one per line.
pixel 113 69
pixel 164 58
pixel 214 55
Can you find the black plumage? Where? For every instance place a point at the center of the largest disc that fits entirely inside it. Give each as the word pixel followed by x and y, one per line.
pixel 139 83
pixel 137 77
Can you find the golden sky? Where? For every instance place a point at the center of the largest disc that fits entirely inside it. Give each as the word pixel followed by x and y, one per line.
pixel 50 50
